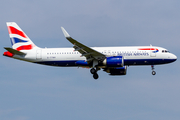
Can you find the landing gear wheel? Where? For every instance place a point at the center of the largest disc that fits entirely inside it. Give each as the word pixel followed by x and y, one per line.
pixel 95 76
pixel 153 73
pixel 93 71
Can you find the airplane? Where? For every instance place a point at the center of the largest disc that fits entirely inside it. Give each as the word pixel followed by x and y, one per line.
pixel 113 60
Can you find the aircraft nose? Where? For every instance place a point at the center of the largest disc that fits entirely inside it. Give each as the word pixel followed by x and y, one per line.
pixel 174 57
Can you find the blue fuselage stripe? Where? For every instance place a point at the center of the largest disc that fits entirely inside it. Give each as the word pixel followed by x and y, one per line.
pixel 71 63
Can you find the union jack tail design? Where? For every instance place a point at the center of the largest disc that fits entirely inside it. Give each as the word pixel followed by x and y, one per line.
pixel 19 40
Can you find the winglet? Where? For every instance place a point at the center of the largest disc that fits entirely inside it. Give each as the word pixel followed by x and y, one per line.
pixel 65 33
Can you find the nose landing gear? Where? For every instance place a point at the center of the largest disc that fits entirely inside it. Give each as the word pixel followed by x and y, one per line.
pixel 94 72
pixel 153 72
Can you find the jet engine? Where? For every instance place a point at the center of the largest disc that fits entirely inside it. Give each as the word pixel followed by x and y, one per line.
pixel 116 71
pixel 114 61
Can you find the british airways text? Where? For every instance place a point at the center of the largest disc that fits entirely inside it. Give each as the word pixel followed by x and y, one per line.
pixel 133 54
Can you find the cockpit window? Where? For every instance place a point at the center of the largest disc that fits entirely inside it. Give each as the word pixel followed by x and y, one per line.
pixel 165 51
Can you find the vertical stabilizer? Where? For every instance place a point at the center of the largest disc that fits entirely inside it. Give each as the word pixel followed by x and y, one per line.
pixel 19 40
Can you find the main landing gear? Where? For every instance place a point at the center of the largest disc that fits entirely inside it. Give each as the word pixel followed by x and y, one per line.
pixel 153 72
pixel 94 72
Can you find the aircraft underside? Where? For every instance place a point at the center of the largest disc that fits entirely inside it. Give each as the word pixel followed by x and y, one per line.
pixel 111 70
pixel 73 63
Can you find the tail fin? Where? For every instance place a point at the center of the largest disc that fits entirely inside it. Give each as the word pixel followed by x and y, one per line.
pixel 19 40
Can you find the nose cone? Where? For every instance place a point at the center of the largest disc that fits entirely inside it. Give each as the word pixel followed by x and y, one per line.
pixel 173 57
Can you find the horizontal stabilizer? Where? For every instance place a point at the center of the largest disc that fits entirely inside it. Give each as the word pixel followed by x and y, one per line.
pixel 13 51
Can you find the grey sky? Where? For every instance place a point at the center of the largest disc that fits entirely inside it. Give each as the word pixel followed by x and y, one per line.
pixel 30 91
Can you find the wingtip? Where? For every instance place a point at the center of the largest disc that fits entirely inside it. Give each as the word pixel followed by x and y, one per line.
pixel 65 33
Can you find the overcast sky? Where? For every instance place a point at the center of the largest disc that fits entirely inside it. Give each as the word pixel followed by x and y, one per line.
pixel 36 92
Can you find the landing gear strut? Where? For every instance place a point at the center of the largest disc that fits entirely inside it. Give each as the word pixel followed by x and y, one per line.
pixel 153 72
pixel 94 72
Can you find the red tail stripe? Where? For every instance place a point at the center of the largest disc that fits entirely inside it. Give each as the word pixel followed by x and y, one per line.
pixel 147 49
pixel 24 47
pixel 13 30
pixel 7 53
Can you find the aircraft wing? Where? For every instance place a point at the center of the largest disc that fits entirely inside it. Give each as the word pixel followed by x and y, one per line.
pixel 88 52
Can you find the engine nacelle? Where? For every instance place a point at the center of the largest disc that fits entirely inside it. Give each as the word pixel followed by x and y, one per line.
pixel 116 61
pixel 117 71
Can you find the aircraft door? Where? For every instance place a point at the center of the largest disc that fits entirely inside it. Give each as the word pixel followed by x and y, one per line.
pixel 152 52
pixel 39 54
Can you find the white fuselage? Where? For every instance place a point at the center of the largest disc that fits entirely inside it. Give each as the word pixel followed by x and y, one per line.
pixel 136 55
